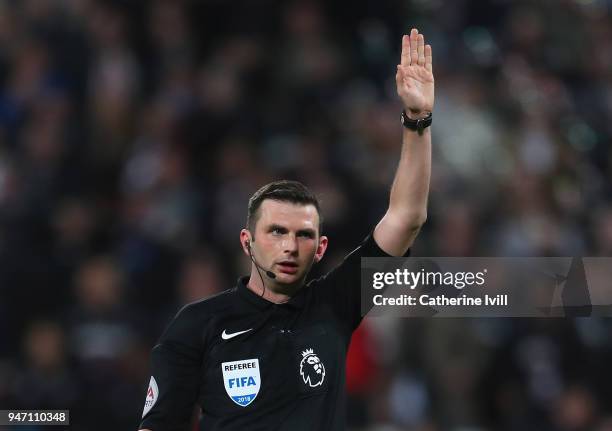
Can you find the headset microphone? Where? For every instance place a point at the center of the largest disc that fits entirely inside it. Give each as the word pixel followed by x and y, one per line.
pixel 267 271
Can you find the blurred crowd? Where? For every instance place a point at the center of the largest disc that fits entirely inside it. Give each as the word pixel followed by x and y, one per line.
pixel 132 134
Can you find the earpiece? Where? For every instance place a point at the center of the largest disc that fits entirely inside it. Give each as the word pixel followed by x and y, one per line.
pixel 269 273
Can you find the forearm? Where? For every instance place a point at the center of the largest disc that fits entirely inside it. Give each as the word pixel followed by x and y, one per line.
pixel 407 209
pixel 410 189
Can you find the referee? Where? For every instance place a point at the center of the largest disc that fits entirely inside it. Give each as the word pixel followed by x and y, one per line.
pixel 269 354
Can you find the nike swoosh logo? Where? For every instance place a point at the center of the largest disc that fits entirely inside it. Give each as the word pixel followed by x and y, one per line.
pixel 227 336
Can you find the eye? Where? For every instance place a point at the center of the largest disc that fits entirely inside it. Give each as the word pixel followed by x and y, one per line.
pixel 306 234
pixel 276 231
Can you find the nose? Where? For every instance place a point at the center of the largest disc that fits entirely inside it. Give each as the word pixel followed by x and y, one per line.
pixel 290 244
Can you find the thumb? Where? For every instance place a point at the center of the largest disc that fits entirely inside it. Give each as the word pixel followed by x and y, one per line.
pixel 399 76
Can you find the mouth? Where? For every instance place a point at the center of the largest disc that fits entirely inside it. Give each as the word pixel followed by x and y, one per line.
pixel 287 267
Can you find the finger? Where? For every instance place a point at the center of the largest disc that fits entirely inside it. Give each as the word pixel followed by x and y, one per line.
pixel 428 58
pixel 405 59
pixel 414 56
pixel 421 50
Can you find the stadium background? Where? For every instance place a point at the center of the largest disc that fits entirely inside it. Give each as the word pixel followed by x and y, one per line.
pixel 132 134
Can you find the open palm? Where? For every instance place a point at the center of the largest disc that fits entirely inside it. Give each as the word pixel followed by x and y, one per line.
pixel 414 78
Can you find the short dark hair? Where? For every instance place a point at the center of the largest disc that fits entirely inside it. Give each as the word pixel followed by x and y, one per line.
pixel 282 191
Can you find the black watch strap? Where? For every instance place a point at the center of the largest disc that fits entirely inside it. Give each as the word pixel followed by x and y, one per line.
pixel 416 125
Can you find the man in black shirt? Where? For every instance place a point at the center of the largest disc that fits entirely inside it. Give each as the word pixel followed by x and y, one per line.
pixel 270 353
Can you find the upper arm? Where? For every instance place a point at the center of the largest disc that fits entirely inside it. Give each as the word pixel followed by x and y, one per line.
pixel 175 367
pixel 341 287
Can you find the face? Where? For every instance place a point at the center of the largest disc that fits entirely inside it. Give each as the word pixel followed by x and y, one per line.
pixel 316 364
pixel 287 240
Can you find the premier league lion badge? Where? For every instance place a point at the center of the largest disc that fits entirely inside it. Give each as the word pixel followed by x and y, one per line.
pixel 312 369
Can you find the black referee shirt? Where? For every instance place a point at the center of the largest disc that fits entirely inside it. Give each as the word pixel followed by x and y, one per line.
pixel 255 365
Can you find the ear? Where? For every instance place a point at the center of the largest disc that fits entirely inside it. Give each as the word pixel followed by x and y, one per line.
pixel 245 238
pixel 323 241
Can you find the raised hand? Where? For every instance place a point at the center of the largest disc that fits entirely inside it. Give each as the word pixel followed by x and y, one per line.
pixel 414 78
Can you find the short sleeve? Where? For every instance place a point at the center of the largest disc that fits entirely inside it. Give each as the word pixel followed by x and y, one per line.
pixel 341 287
pixel 175 365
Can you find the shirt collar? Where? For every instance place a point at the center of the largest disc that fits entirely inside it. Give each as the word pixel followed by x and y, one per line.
pixel 297 301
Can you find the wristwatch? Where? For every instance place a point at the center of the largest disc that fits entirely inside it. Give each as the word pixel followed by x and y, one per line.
pixel 416 125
